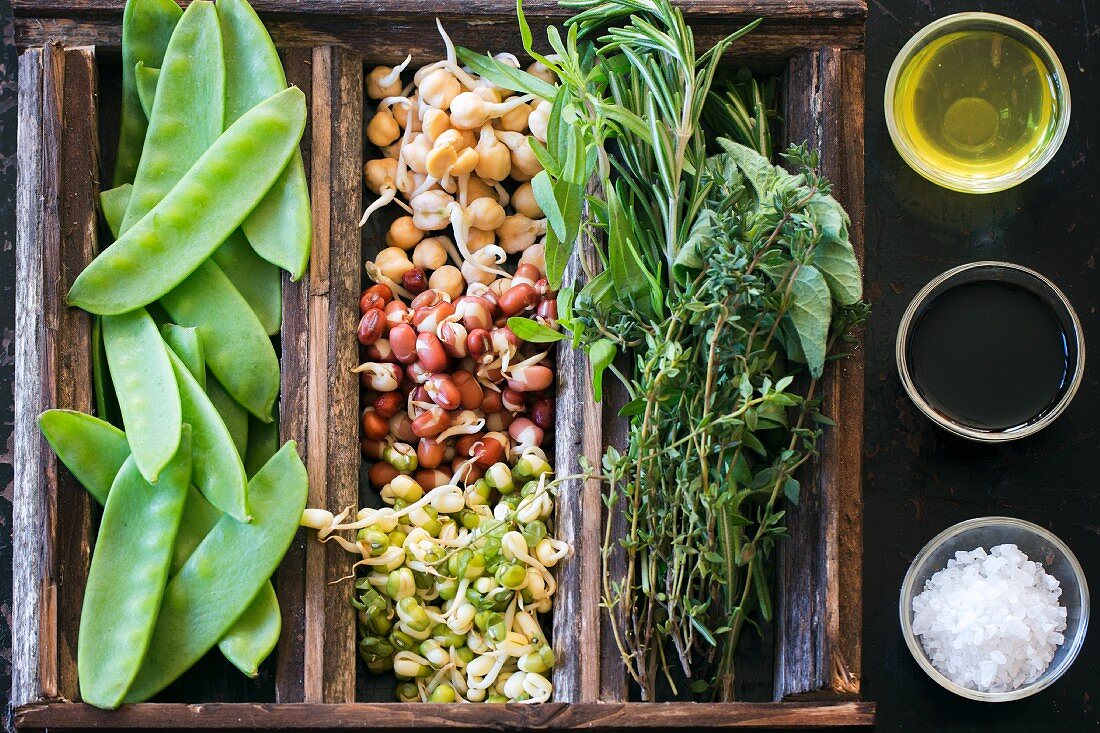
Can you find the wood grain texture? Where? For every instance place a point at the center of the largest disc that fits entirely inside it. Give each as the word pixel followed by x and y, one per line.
pixel 771 44
pixel 294 425
pixel 69 341
pixel 818 619
pixel 578 432
pixel 788 28
pixel 56 225
pixel 336 155
pixel 803 10
pixel 613 673
pixel 385 716
pixel 29 499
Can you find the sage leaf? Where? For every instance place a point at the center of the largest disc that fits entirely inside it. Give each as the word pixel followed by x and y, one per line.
pixel 757 169
pixel 811 311
pixel 834 255
pixel 689 259
pixel 530 330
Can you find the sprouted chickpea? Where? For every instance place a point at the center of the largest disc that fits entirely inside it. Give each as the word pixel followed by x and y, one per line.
pixel 384 81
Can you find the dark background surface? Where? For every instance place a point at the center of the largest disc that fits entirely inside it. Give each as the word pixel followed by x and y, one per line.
pixel 917 480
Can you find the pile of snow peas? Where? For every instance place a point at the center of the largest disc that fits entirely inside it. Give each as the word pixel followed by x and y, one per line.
pixel 200 503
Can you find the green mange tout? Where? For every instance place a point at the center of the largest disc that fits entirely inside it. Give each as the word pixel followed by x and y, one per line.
pixel 197 215
pixel 279 228
pixel 222 577
pixel 147 26
pixel 146 388
pixel 94 452
pixel 126 580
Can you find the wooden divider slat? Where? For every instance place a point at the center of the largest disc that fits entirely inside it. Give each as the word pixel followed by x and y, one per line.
pixel 419 716
pixel 819 615
pixel 294 425
pixel 58 144
pixel 29 499
pixel 578 432
pixel 334 295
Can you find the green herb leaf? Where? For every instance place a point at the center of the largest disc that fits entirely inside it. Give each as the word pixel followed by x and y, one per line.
pixel 557 256
pixel 543 190
pixel 548 162
pixel 534 332
pixel 834 255
pixel 628 272
pixel 811 311
pixel 791 489
pixel 601 354
pixel 525 36
pixel 758 170
pixel 554 138
pixel 506 75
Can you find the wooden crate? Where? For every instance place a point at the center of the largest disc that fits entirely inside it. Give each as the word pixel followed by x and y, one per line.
pixel 326 44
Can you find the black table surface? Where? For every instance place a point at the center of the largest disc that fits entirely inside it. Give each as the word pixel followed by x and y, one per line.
pixel 917 479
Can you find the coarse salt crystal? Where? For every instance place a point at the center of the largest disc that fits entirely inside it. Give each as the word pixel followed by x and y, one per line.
pixel 990 621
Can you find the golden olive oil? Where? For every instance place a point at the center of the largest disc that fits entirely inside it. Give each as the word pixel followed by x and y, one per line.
pixel 976 104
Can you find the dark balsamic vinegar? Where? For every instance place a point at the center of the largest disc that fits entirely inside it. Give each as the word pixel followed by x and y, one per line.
pixel 990 355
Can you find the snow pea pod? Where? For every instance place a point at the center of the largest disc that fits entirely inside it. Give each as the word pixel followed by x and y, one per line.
pixel 263 442
pixel 259 281
pixel 197 215
pixel 187 345
pixel 113 202
pixel 256 279
pixel 233 415
pixel 95 451
pixel 238 350
pixel 126 579
pixel 146 79
pixel 146 28
pixel 180 130
pixel 224 574
pixel 146 389
pixel 255 634
pixel 218 472
pixel 106 404
pixel 279 228
pixel 92 450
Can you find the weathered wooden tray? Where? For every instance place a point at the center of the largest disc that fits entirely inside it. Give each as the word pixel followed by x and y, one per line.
pixel 68 71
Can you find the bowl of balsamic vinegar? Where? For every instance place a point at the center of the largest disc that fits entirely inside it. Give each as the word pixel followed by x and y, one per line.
pixel 991 351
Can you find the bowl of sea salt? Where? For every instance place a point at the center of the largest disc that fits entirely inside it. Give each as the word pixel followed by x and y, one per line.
pixel 994 609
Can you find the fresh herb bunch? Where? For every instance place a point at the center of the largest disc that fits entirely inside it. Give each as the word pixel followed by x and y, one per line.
pixel 721 275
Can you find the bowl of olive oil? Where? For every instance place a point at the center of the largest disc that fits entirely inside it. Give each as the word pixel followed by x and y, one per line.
pixel 977 102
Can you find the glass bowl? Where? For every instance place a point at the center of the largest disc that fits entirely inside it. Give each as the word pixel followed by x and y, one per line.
pixel 993 271
pixel 974 22
pixel 1040 546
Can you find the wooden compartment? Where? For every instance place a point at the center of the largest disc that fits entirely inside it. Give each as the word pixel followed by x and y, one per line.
pixel 68 68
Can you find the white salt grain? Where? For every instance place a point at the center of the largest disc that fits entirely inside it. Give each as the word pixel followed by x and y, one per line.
pixel 990 621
